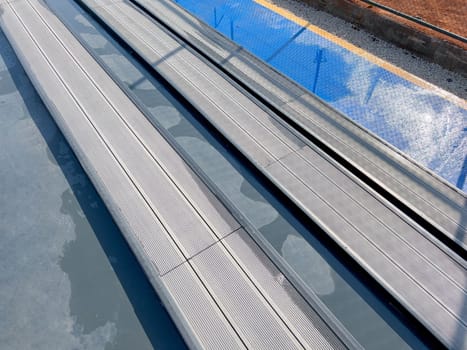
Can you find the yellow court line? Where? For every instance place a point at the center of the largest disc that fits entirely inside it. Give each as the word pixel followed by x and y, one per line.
pixel 359 51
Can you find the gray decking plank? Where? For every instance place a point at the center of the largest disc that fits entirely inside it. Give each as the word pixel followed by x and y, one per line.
pixel 224 51
pixel 383 228
pixel 181 175
pixel 238 111
pixel 292 307
pixel 423 243
pixel 431 198
pixel 184 224
pixel 408 277
pixel 251 315
pixel 205 320
pixel 246 286
pixel 197 98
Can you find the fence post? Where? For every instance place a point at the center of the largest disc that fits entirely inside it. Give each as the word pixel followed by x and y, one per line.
pixel 318 60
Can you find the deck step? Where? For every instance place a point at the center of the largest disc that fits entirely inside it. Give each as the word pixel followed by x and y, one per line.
pixel 177 228
pixel 421 273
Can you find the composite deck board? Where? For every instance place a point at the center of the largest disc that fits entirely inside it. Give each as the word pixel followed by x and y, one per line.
pixel 419 271
pixel 188 296
pixel 425 193
pixel 187 72
pixel 91 149
pixel 429 196
pixel 250 287
pixel 252 317
pixel 398 242
pixel 184 224
pixel 135 170
pixel 279 292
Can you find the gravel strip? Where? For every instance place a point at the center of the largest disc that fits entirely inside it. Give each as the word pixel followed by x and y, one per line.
pixel 431 72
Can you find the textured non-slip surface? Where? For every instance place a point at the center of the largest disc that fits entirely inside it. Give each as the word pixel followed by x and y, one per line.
pixel 403 257
pixel 174 225
pixel 420 190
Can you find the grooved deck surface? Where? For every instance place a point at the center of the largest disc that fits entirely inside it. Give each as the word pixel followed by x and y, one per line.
pixel 173 223
pixel 438 203
pixel 424 276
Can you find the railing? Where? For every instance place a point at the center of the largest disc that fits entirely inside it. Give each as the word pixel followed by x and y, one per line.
pixel 416 20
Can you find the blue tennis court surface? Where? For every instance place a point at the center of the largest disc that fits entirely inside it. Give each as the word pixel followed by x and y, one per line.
pixel 417 120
